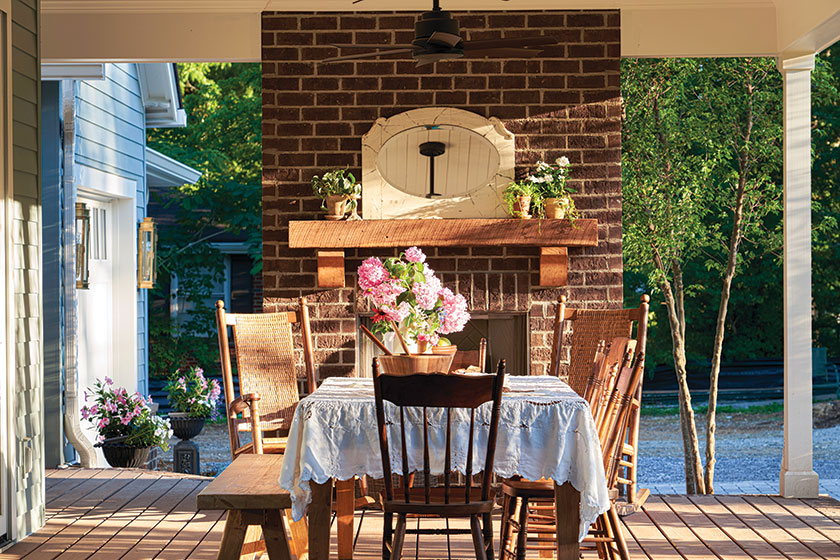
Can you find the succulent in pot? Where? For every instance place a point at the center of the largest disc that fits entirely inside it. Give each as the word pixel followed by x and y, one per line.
pixel 523 199
pixel 193 399
pixel 549 180
pixel 338 191
pixel 127 428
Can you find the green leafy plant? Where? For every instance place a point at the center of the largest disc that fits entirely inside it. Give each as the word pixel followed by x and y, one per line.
pixel 124 418
pixel 190 392
pixel 550 180
pixel 518 189
pixel 334 183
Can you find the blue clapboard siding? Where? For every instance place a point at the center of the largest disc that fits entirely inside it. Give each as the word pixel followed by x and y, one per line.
pixel 111 137
pixel 26 227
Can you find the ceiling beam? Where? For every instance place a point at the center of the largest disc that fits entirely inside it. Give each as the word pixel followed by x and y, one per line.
pixel 133 37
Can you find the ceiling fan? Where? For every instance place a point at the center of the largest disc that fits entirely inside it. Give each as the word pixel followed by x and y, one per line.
pixel 437 37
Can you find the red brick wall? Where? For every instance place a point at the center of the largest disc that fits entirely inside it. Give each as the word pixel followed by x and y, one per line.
pixel 563 103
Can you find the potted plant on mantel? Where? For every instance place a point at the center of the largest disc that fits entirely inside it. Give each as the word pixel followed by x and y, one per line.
pixel 523 199
pixel 193 400
pixel 411 303
pixel 128 429
pixel 549 180
pixel 336 188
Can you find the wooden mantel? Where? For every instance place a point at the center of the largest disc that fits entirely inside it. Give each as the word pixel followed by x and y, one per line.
pixel 552 236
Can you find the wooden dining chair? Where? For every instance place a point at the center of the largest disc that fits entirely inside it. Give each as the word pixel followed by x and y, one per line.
pixel 464 359
pixel 576 336
pixel 523 496
pixel 438 390
pixel 266 366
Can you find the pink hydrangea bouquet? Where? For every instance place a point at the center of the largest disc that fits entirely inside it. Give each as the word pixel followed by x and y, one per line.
pixel 125 418
pixel 406 294
pixel 190 392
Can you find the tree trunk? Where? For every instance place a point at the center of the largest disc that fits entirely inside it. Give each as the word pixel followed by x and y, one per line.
pixel 729 275
pixel 676 319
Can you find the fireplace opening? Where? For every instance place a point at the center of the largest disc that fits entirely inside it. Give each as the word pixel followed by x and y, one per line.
pixel 506 334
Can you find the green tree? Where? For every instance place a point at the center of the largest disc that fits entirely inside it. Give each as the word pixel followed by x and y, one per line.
pixel 702 155
pixel 222 139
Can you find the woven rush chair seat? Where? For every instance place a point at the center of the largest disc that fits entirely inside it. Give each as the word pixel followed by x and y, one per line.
pixel 266 365
pixel 577 333
pixel 528 506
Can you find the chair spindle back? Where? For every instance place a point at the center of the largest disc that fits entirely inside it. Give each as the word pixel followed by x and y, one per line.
pixel 437 390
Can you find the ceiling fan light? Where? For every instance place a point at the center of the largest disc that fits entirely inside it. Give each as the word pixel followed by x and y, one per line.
pixel 436 21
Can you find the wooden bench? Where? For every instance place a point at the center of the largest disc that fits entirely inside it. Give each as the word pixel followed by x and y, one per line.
pixel 249 491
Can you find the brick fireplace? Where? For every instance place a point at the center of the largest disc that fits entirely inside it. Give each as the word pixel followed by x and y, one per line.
pixel 566 102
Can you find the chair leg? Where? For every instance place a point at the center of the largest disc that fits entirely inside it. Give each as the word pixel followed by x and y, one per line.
pixel 506 533
pixel 399 538
pixel 487 523
pixel 522 537
pixel 387 536
pixel 478 538
pixel 606 551
pixel 618 535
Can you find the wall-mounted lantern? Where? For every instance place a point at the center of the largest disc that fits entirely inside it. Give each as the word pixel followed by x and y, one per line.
pixel 146 254
pixel 82 246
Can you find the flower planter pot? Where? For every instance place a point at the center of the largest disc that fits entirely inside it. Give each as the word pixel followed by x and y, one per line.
pixel 185 427
pixel 556 208
pixel 521 207
pixel 120 455
pixel 407 364
pixel 336 206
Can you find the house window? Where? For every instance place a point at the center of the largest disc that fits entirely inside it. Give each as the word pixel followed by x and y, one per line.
pixel 235 287
pixel 98 234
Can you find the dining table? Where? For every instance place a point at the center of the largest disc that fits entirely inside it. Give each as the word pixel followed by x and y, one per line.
pixel 546 431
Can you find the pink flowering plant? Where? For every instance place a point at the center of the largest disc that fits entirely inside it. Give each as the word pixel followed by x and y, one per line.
pixel 191 392
pixel 120 417
pixel 404 291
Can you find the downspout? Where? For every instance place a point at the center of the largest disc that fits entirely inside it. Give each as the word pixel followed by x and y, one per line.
pixel 72 427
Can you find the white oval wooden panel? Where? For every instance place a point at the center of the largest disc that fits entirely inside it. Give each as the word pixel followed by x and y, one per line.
pixel 469 163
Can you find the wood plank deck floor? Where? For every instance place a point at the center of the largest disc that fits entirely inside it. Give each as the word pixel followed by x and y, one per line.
pixel 110 514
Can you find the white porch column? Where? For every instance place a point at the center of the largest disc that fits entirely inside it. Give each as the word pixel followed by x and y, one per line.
pixel 797 478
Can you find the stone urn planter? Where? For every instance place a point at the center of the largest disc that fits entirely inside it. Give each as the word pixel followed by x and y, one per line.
pixel 185 427
pixel 124 456
pixel 336 206
pixel 557 208
pixel 185 454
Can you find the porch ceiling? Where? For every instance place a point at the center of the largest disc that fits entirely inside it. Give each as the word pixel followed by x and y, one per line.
pixel 184 30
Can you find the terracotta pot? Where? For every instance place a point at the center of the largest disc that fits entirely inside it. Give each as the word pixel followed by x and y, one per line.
pixel 120 455
pixel 445 350
pixel 521 207
pixel 185 427
pixel 422 346
pixel 407 364
pixel 556 208
pixel 336 206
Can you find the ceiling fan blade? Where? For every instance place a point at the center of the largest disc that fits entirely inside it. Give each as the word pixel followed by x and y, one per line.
pixel 513 42
pixel 377 47
pixel 365 55
pixel 502 53
pixel 444 39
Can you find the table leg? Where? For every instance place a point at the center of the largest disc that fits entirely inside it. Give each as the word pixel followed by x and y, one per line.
pixel 567 501
pixel 345 498
pixel 274 531
pixel 233 536
pixel 319 520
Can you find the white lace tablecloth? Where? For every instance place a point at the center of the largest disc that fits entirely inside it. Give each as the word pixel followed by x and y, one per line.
pixel 545 431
